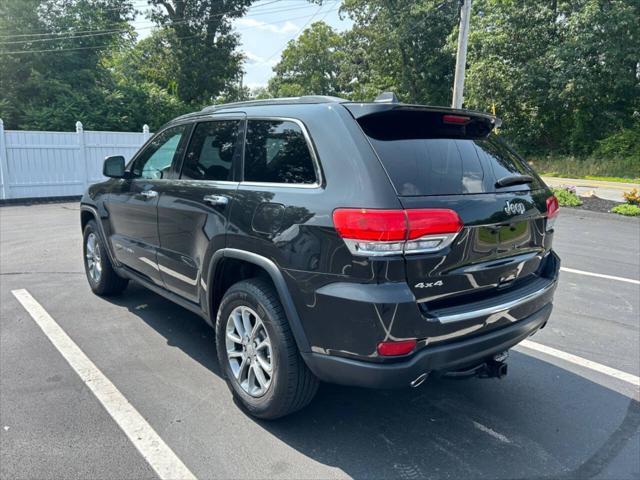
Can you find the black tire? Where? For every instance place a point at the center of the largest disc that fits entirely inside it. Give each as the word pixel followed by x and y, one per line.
pixel 109 282
pixel 292 385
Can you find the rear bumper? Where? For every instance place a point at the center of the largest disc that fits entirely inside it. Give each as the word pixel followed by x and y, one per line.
pixel 452 356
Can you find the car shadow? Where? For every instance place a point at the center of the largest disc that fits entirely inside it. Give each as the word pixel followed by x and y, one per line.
pixel 542 421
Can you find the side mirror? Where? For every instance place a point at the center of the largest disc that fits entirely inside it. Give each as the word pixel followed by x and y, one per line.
pixel 113 167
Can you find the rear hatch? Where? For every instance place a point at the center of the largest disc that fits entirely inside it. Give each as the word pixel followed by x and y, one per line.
pixel 445 159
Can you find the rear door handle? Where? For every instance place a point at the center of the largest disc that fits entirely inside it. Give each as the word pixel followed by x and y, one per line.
pixel 216 199
pixel 149 193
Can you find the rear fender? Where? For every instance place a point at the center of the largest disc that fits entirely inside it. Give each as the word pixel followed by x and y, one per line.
pixel 278 280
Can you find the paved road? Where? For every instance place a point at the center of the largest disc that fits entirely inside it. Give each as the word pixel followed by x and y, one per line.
pixel 548 418
pixel 603 189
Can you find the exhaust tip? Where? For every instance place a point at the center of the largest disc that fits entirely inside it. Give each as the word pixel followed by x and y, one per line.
pixel 419 380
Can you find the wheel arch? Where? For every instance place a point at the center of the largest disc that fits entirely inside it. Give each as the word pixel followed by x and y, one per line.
pixel 88 213
pixel 258 266
pixel 86 216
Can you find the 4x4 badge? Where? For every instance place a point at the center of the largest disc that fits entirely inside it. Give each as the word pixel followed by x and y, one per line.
pixel 439 283
pixel 512 208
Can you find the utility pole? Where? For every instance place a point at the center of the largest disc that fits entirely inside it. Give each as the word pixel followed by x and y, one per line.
pixel 461 56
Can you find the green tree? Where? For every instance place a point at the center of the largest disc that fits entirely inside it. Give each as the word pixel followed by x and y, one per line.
pixel 144 83
pixel 150 60
pixel 310 64
pixel 203 45
pixel 50 69
pixel 259 93
pixel 562 74
pixel 402 46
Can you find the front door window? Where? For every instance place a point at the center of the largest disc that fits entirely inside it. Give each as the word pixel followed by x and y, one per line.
pixel 155 160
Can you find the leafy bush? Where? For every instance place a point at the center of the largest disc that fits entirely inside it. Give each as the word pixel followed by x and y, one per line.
pixel 596 168
pixel 623 144
pixel 566 198
pixel 632 197
pixel 627 209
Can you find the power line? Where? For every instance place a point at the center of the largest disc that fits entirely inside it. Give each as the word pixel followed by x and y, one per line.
pixel 152 25
pixel 97 33
pixel 107 31
pixel 298 32
pixel 72 36
pixel 389 41
pixel 105 9
pixel 94 47
pixel 119 30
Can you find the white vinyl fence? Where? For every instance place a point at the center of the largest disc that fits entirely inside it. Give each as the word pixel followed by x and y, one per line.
pixel 58 164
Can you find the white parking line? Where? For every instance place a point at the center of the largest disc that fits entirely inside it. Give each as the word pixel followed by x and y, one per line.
pixel 157 453
pixel 490 431
pixel 583 362
pixel 601 275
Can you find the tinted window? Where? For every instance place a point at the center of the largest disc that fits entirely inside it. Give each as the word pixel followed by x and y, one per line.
pixel 155 160
pixel 503 161
pixel 424 157
pixel 211 151
pixel 277 152
pixel 432 167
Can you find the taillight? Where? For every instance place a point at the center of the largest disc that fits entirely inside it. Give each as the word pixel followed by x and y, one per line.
pixel 392 349
pixel 432 221
pixel 363 224
pixel 552 206
pixel 552 211
pixel 371 232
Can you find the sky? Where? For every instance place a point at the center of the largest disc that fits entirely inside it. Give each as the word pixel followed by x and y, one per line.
pixel 267 28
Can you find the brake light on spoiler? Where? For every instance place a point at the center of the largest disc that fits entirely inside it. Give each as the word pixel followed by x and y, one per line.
pixel 456 119
pixel 372 232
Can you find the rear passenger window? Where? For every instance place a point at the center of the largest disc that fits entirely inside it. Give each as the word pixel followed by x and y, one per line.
pixel 210 153
pixel 276 151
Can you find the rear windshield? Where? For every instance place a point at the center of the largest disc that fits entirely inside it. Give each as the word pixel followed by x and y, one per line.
pixel 445 166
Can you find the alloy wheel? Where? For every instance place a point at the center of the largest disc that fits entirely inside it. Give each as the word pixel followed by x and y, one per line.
pixel 93 257
pixel 249 351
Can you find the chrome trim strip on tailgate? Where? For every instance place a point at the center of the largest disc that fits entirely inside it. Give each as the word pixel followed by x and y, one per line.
pixel 501 307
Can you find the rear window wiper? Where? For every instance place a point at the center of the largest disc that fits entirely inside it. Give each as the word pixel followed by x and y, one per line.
pixel 513 180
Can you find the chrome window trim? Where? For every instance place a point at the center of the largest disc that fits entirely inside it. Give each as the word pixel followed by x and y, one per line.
pixel 231 183
pixel 278 185
pixel 314 156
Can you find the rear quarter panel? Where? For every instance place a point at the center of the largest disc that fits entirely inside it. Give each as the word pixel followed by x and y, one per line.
pixel 293 226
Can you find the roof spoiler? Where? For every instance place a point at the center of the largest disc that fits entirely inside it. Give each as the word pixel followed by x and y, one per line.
pixel 359 110
pixel 389 121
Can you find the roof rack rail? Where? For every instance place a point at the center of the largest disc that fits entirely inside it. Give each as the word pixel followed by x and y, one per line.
pixel 276 101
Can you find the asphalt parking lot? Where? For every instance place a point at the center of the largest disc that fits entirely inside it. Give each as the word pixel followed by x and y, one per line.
pixel 551 417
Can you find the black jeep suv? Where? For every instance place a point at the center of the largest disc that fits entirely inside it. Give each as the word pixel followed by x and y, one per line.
pixel 367 244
